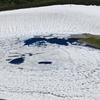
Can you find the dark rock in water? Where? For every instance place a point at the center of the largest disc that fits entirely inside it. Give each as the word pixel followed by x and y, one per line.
pixel 45 62
pixel 17 61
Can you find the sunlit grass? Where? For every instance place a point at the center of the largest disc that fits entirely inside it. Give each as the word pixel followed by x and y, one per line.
pixel 93 40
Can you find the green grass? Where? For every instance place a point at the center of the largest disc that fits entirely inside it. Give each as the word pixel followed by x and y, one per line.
pixel 14 4
pixel 8 6
pixel 93 40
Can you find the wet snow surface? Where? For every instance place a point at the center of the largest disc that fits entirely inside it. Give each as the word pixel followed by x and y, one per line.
pixel 50 71
pixel 52 68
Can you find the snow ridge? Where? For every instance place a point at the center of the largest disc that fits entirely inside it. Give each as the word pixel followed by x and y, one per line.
pixel 59 19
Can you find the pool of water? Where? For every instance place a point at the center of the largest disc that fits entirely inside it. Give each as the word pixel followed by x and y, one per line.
pixel 43 41
pixel 45 62
pixel 17 61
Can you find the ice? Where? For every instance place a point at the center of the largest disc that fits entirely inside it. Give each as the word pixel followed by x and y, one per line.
pixel 72 71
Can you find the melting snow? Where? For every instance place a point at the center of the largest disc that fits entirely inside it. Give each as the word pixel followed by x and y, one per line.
pixel 74 69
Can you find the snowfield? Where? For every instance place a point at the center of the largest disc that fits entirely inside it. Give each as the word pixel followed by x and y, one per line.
pixel 62 19
pixel 73 72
